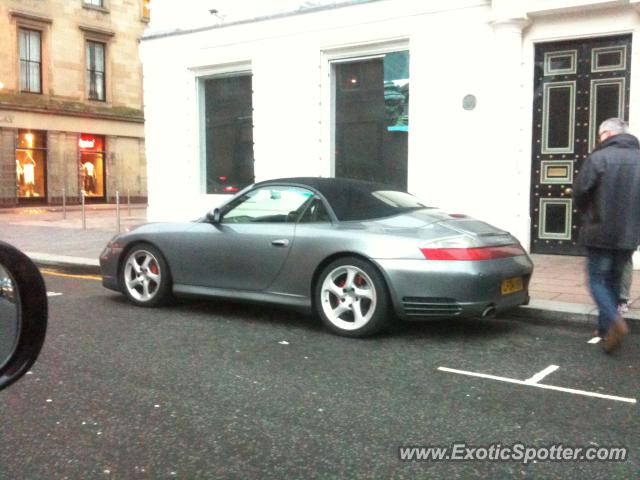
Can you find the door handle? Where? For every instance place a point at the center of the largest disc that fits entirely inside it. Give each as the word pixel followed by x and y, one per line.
pixel 283 242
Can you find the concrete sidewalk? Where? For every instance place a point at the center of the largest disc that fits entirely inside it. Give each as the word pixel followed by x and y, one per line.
pixel 51 239
pixel 558 289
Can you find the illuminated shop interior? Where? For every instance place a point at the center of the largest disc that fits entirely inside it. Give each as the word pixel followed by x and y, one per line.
pixel 91 165
pixel 31 155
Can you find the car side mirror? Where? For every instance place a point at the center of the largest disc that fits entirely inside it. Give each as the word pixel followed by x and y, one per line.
pixel 23 314
pixel 214 216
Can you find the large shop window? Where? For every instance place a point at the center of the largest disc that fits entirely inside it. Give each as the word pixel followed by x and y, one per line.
pixel 228 125
pixel 146 9
pixel 92 165
pixel 31 157
pixel 372 118
pixel 30 61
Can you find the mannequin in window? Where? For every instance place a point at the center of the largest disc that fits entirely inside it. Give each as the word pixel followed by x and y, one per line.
pixel 89 171
pixel 29 175
pixel 19 173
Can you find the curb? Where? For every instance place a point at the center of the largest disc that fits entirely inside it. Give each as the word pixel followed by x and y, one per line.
pixel 94 207
pixel 539 311
pixel 71 265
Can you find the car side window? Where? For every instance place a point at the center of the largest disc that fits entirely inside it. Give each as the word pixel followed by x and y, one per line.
pixel 269 204
pixel 316 212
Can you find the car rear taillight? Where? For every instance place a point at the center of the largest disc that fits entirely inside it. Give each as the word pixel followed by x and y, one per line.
pixel 114 244
pixel 478 253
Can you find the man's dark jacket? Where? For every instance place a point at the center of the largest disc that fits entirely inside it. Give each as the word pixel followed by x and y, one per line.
pixel 607 192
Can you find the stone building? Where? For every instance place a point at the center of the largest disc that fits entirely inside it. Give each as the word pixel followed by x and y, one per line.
pixel 483 107
pixel 71 109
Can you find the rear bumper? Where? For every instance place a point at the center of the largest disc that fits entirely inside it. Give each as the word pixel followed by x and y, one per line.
pixel 111 283
pixel 426 289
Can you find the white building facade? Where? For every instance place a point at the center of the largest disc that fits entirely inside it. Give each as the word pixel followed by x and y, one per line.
pixel 480 107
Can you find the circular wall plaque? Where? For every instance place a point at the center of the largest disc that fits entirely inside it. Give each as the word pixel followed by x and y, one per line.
pixel 469 102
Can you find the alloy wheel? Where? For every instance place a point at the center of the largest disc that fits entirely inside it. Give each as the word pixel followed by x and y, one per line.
pixel 348 297
pixel 142 275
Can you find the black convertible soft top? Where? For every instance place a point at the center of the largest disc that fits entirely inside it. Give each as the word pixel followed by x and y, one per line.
pixel 352 199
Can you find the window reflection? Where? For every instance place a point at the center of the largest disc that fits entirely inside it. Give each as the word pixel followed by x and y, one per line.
pixel 229 133
pixel 372 119
pixel 270 204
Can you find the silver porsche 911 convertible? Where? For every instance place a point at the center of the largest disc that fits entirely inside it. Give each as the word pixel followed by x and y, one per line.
pixel 359 254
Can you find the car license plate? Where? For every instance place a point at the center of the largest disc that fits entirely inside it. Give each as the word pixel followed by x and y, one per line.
pixel 511 285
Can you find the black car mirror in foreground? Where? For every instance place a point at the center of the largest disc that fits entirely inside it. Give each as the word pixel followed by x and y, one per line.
pixel 23 314
pixel 214 216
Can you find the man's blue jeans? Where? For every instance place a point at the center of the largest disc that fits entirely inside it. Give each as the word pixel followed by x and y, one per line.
pixel 605 267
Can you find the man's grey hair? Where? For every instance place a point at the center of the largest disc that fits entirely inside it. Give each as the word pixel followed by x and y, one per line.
pixel 613 125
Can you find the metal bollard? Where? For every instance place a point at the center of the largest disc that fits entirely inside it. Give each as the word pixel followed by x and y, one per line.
pixel 64 204
pixel 84 214
pixel 118 211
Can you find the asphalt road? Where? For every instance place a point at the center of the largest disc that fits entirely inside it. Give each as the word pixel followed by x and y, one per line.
pixel 219 390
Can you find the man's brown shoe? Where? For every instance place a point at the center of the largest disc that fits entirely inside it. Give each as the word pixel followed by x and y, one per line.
pixel 622 326
pixel 617 330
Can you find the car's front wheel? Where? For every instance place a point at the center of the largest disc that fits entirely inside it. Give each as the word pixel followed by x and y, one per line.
pixel 351 298
pixel 145 276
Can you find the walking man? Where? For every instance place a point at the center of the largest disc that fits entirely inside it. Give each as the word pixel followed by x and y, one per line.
pixel 607 192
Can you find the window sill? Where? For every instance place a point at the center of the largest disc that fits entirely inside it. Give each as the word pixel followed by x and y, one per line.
pixel 95 7
pixel 101 32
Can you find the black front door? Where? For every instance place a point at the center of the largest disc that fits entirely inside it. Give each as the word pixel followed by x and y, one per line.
pixel 578 84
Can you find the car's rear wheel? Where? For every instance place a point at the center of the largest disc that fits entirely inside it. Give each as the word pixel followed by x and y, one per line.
pixel 145 276
pixel 351 298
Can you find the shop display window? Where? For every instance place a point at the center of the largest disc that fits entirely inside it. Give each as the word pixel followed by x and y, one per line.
pixel 92 165
pixel 31 155
pixel 146 9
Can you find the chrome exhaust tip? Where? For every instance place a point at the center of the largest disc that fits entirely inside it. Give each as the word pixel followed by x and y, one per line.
pixel 489 312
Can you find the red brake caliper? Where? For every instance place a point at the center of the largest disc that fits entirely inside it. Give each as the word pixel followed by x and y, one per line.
pixel 335 299
pixel 154 268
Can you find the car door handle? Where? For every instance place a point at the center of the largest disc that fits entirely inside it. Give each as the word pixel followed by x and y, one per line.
pixel 283 242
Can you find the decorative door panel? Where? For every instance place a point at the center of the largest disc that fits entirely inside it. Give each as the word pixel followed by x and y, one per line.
pixel 578 84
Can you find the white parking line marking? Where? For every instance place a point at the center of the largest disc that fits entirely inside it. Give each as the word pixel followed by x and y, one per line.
pixel 53 294
pixel 540 375
pixel 594 340
pixel 539 385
